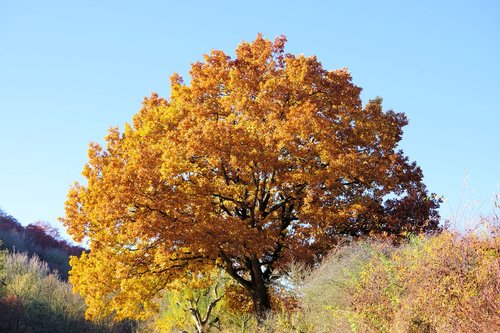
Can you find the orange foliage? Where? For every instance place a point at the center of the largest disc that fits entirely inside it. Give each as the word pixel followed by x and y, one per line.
pixel 258 160
pixel 237 300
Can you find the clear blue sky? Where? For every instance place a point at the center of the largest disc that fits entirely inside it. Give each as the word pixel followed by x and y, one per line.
pixel 71 69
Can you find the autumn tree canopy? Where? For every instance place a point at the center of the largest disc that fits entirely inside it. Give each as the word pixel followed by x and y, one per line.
pixel 256 161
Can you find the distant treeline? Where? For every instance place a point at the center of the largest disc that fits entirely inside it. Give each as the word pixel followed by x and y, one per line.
pixel 39 239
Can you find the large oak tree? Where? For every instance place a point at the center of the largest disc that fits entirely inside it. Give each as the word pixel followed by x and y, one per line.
pixel 256 161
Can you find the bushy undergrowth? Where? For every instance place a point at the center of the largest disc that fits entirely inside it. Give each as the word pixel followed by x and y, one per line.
pixel 443 283
pixel 34 296
pixel 32 299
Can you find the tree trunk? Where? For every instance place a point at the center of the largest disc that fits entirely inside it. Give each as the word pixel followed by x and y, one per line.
pixel 261 304
pixel 259 292
pixel 257 286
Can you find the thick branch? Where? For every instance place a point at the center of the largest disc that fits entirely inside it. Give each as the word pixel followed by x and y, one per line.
pixel 233 272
